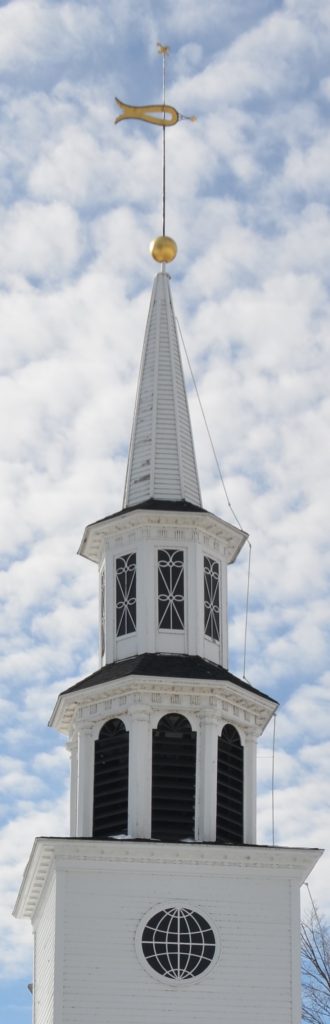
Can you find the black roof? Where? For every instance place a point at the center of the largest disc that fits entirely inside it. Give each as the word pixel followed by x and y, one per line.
pixel 180 666
pixel 156 506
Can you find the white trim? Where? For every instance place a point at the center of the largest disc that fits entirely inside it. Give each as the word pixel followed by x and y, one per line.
pixel 291 862
pixel 85 780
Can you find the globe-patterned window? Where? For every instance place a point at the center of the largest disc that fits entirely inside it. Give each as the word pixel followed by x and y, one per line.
pixel 125 594
pixel 170 589
pixel 178 943
pixel 211 598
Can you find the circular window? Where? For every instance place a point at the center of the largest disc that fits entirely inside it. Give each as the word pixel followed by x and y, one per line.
pixel 178 943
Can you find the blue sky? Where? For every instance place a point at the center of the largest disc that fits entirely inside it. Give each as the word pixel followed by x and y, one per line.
pixel 248 204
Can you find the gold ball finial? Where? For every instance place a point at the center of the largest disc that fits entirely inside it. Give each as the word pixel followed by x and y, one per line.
pixel 163 249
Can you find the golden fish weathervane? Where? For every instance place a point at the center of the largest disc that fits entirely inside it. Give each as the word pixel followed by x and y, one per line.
pixel 163 249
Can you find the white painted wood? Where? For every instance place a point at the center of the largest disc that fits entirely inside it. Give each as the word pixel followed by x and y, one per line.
pixel 207 710
pixel 161 461
pixel 86 898
pixel 140 760
pixel 250 895
pixel 85 780
pixel 44 958
pixel 207 782
pixel 145 541
pixel 250 786
pixel 72 747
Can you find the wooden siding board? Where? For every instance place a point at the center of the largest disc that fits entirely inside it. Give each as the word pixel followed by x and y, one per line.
pixel 101 967
pixel 161 435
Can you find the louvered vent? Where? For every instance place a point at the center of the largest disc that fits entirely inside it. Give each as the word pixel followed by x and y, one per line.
pixel 173 779
pixel 230 787
pixel 111 781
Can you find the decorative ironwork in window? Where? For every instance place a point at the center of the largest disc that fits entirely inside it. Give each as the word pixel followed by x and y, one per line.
pixel 211 598
pixel 230 787
pixel 102 612
pixel 173 779
pixel 178 943
pixel 111 780
pixel 125 594
pixel 170 589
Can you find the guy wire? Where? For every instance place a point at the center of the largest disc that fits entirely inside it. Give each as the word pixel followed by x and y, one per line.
pixel 226 494
pixel 315 910
pixel 273 780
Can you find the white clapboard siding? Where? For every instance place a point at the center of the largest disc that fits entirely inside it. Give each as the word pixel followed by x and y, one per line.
pixel 250 898
pixel 161 462
pixel 44 958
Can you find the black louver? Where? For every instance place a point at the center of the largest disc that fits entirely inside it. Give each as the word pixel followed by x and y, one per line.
pixel 173 779
pixel 111 781
pixel 230 787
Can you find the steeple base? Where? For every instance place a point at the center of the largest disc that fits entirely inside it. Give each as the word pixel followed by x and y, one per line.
pixel 94 906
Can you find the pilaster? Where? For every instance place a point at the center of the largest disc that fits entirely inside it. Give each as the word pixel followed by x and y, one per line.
pixel 140 761
pixel 207 788
pixel 72 747
pixel 85 781
pixel 250 786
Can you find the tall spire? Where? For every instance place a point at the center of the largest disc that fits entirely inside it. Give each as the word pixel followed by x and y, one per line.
pixel 161 462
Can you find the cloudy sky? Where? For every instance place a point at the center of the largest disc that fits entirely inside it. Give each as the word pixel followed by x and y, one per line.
pixel 248 203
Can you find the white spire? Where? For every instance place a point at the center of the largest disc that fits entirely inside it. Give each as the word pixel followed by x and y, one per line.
pixel 161 462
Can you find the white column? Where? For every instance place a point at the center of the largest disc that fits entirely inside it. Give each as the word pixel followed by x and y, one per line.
pixel 145 594
pixel 72 747
pixel 139 777
pixel 110 611
pixel 250 786
pixel 194 598
pixel 224 617
pixel 85 781
pixel 207 761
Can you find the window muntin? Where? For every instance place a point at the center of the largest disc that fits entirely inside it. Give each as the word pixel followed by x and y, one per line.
pixel 125 594
pixel 211 598
pixel 170 589
pixel 178 943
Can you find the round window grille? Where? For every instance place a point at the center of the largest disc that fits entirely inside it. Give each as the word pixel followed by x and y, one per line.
pixel 178 943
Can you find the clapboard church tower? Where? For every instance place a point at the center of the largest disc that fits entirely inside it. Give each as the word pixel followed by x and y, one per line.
pixel 160 905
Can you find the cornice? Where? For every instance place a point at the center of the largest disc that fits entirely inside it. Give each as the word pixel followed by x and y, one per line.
pixel 96 535
pixel 69 854
pixel 240 706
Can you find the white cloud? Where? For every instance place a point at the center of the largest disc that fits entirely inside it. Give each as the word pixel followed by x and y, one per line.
pixel 41 32
pixel 247 203
pixel 40 241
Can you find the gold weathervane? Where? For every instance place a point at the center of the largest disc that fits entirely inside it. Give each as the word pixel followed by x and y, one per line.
pixel 163 249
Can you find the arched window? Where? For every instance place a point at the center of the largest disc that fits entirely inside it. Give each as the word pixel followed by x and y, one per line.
pixel 111 780
pixel 230 787
pixel 173 779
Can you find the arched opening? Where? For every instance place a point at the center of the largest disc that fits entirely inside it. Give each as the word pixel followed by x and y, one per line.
pixel 230 787
pixel 111 780
pixel 173 779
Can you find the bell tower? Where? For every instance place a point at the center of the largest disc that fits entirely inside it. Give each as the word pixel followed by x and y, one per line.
pixel 163 737
pixel 160 903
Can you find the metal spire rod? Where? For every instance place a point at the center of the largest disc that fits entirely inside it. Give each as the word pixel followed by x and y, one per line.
pixel 162 249
pixel 164 51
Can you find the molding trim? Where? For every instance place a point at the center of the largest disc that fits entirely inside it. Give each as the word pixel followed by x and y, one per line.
pixel 69 854
pixel 236 705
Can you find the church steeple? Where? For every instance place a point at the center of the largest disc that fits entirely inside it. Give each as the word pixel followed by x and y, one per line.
pixel 163 741
pixel 161 462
